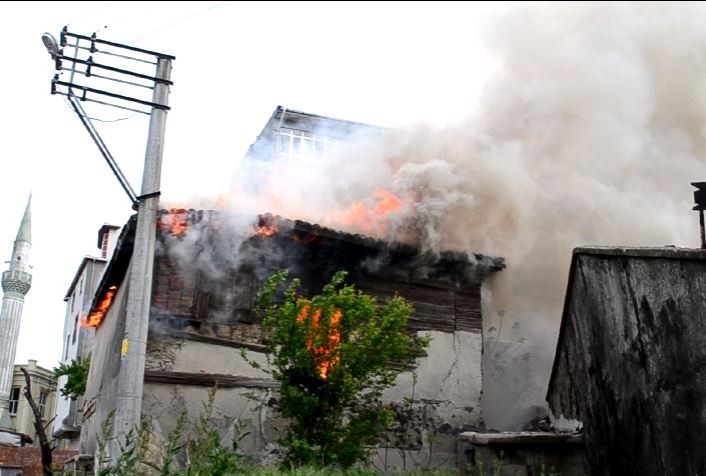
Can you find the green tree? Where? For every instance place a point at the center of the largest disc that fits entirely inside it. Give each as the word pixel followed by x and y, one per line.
pixel 77 373
pixel 332 357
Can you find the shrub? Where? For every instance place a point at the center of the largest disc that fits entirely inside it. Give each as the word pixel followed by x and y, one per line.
pixel 332 356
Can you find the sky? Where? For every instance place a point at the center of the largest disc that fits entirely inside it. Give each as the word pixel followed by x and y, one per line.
pixel 384 63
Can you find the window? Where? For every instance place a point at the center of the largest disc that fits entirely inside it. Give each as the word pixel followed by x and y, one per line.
pixel 43 397
pixel 14 400
pixel 104 245
pixel 10 471
pixel 73 340
pixel 300 145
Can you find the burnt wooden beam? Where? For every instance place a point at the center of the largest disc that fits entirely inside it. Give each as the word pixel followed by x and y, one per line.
pixel 207 379
pixel 209 339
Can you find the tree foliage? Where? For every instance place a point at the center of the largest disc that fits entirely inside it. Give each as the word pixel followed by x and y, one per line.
pixel 332 356
pixel 77 373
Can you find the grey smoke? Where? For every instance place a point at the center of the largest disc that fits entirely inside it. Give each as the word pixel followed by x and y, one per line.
pixel 588 133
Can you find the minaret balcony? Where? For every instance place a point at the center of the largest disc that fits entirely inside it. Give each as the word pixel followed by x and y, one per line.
pixel 14 281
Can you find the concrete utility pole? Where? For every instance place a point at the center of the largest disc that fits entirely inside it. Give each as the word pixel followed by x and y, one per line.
pixel 139 280
pixel 132 370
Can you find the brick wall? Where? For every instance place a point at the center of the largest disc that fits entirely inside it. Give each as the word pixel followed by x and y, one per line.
pixel 29 458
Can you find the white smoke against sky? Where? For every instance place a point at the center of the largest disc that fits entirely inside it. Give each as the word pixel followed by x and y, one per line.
pixel 589 133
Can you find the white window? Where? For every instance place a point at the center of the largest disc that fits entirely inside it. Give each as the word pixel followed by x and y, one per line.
pixel 14 400
pixel 300 145
pixel 43 397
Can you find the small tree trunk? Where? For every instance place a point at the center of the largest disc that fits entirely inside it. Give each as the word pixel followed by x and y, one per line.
pixel 39 427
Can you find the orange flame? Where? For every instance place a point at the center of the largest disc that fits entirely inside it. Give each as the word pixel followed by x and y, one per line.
pixel 266 225
pixel 389 202
pixel 175 221
pixel 95 318
pixel 265 230
pixel 368 219
pixel 326 356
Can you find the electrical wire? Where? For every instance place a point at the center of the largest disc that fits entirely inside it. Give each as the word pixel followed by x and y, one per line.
pixel 181 20
pixel 97 119
pixel 90 13
pixel 130 15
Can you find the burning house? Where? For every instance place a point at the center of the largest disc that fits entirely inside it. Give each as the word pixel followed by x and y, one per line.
pixel 209 267
pixel 207 274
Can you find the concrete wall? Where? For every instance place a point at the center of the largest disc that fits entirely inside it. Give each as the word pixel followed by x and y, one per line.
pixel 630 359
pixel 436 401
pixel 163 403
pixel 443 392
pixel 101 387
pixel 78 343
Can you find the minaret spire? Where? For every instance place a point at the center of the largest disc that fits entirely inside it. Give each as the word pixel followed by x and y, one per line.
pixel 25 231
pixel 16 282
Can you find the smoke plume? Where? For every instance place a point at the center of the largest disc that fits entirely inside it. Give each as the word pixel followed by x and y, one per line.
pixel 588 133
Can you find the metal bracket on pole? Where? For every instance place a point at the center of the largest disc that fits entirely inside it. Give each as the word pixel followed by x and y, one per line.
pixel 86 121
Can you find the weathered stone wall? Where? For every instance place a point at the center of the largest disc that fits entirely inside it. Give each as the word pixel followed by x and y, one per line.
pixel 630 360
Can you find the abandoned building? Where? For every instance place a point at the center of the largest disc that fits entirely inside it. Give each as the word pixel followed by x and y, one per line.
pixel 208 269
pixel 628 364
pixel 201 316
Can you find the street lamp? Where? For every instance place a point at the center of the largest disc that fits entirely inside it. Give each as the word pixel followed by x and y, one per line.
pixel 51 44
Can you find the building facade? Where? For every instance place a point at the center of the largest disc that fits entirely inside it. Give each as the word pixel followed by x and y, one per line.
pixel 78 339
pixel 308 140
pixel 43 386
pixel 208 270
pixel 200 320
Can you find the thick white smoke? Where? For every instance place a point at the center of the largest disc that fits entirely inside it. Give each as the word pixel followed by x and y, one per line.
pixel 589 133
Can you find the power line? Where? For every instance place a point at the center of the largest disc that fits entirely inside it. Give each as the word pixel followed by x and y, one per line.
pixel 91 13
pixel 98 119
pixel 181 20
pixel 132 14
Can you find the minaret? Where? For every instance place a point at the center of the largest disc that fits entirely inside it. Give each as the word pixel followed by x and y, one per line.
pixel 15 284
